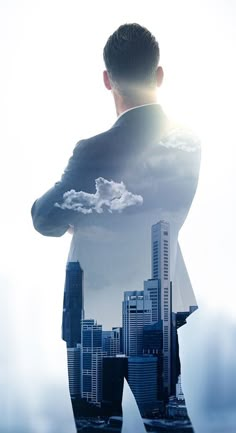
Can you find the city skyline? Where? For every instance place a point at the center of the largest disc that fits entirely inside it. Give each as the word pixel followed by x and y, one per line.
pixel 148 328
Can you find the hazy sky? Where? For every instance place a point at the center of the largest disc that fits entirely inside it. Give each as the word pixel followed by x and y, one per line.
pixel 52 95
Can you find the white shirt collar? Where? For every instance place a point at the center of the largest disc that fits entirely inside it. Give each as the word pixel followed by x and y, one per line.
pixel 133 108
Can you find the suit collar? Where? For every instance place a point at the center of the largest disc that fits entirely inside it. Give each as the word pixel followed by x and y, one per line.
pixel 134 108
pixel 142 113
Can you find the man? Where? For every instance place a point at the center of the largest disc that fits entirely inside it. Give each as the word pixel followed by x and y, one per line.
pixel 125 194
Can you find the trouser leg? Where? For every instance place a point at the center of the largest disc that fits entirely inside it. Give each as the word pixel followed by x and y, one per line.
pixel 93 414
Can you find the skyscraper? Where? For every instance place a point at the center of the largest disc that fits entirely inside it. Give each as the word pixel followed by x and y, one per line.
pixel 152 287
pixel 74 370
pixel 153 345
pixel 91 361
pixel 136 312
pixel 111 342
pixel 142 377
pixel 113 373
pixel 73 304
pixel 160 258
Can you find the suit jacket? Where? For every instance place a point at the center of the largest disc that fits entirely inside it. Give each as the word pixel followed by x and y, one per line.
pixel 116 186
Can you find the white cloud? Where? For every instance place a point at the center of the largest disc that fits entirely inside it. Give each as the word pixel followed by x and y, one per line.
pixel 182 139
pixel 110 194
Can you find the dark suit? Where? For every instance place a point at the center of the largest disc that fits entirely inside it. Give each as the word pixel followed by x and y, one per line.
pixel 142 170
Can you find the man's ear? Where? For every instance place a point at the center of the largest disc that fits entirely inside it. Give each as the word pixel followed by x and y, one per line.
pixel 106 80
pixel 159 76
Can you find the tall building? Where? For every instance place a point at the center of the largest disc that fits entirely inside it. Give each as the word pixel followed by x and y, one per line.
pixel 91 361
pixel 113 373
pixel 142 378
pixel 74 370
pixel 160 258
pixel 153 345
pixel 152 287
pixel 73 305
pixel 111 342
pixel 136 312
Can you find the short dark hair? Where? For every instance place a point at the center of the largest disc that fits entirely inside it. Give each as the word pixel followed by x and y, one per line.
pixel 131 54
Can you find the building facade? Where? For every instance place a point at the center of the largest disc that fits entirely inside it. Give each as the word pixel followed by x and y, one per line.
pixel 91 361
pixel 113 373
pixel 111 342
pixel 160 259
pixel 152 288
pixel 136 312
pixel 74 370
pixel 153 345
pixel 142 377
pixel 73 304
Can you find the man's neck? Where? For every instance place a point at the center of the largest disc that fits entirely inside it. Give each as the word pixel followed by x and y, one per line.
pixel 132 108
pixel 122 105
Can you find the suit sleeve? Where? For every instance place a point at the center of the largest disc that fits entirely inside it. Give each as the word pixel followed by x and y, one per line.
pixel 51 220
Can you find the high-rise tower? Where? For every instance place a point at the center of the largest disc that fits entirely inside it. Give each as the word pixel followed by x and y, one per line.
pixel 111 342
pixel 142 376
pixel 74 370
pixel 73 306
pixel 153 290
pixel 91 361
pixel 160 257
pixel 136 312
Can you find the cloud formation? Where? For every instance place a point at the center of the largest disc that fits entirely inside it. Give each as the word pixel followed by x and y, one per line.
pixel 112 195
pixel 182 139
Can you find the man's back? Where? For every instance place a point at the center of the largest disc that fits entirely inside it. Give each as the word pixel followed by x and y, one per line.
pixel 141 171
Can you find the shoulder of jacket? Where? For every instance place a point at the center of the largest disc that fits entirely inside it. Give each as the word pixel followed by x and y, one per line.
pixel 91 146
pixel 180 136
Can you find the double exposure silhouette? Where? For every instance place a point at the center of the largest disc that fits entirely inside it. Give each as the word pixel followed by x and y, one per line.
pixel 124 195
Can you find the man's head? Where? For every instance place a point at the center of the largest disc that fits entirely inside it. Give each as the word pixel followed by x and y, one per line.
pixel 131 56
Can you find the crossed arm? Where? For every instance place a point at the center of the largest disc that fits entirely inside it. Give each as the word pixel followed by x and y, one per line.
pixel 51 220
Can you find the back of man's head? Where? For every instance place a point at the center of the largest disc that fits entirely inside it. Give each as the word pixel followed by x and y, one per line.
pixel 131 56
